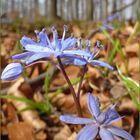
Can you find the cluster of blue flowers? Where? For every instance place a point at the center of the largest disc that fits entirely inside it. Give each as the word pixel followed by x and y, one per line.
pixel 66 49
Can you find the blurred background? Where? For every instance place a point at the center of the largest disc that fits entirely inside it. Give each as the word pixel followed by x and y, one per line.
pixel 68 10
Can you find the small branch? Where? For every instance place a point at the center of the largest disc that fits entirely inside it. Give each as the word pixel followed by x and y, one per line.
pixel 77 103
pixel 124 7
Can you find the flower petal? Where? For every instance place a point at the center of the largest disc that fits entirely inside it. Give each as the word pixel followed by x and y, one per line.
pixel 76 52
pixel 89 132
pixel 42 38
pixel 100 63
pixel 26 41
pixel 37 56
pixel 79 61
pixel 68 43
pixel 106 134
pixel 12 71
pixel 93 106
pixel 120 132
pixel 22 55
pixel 75 120
pixel 115 120
pixel 112 115
pixel 36 48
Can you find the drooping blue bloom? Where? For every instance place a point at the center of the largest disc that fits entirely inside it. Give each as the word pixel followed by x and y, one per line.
pixel 89 59
pixel 100 123
pixel 12 71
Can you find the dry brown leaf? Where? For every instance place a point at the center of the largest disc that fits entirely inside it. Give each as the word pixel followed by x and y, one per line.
pixel 132 49
pixel 30 116
pixel 11 114
pixel 73 136
pixel 41 135
pixel 8 45
pixel 76 30
pixel 128 105
pixel 20 131
pixel 133 65
pixel 64 133
pixel 128 123
pixel 117 90
pixel 26 89
pixel 98 36
pixel 71 71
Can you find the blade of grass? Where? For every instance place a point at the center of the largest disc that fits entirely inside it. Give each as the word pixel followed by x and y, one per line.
pixel 113 52
pixel 117 48
pixel 131 86
pixel 35 105
pixel 46 86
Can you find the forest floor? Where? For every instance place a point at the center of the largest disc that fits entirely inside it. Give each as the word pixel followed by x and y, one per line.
pixel 19 121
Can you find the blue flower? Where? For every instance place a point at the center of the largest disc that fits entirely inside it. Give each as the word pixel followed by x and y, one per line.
pixel 89 59
pixel 45 48
pixel 99 124
pixel 12 71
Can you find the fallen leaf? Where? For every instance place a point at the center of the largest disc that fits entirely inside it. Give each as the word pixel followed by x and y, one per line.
pixel 20 131
pixel 118 90
pixel 30 116
pixel 41 135
pixel 64 133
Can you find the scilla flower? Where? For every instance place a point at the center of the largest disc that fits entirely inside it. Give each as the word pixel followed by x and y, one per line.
pixel 12 71
pixel 89 59
pixel 100 123
pixel 44 48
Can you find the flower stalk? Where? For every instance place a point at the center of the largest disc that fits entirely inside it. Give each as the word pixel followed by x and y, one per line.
pixel 77 103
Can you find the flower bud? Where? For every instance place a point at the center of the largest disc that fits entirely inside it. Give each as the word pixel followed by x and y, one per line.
pixel 12 71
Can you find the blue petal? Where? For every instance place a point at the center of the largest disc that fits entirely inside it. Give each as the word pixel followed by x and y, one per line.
pixel 106 134
pixel 22 55
pixel 58 53
pixel 120 132
pixel 76 52
pixel 110 18
pixel 115 120
pixel 101 118
pixel 75 120
pixel 37 56
pixel 88 44
pixel 42 39
pixel 107 26
pixel 68 43
pixel 100 63
pixel 56 44
pixel 93 106
pixel 72 59
pixel 79 61
pixel 112 115
pixel 26 40
pixel 36 48
pixel 12 71
pixel 89 132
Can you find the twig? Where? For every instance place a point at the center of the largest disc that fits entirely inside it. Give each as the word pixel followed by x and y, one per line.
pixel 124 7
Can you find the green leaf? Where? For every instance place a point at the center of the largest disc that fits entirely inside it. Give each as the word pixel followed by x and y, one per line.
pixel 130 82
pixel 32 104
pixel 113 52
pixel 46 86
pixel 131 87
